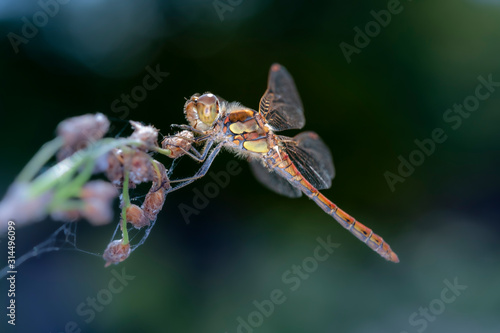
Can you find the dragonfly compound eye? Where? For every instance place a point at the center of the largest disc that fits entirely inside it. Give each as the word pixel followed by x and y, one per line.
pixel 207 107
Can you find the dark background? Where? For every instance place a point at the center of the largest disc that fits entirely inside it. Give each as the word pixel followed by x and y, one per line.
pixel 199 277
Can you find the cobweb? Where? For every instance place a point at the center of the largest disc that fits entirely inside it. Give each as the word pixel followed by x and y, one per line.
pixel 65 237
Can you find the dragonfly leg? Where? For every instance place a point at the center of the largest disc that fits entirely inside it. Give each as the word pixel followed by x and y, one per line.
pixel 196 155
pixel 203 170
pixel 197 139
pixel 202 138
pixel 187 127
pixel 192 151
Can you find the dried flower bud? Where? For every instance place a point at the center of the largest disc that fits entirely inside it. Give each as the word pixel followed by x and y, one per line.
pixel 178 144
pixel 99 189
pixel 115 167
pixel 153 203
pixel 146 134
pixel 79 132
pixel 83 128
pixel 137 217
pixel 97 212
pixel 140 167
pixel 101 164
pixel 116 252
pixel 97 197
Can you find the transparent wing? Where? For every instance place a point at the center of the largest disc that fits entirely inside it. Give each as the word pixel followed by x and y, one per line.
pixel 311 157
pixel 281 105
pixel 273 181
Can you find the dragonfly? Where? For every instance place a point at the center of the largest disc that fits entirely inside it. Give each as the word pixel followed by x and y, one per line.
pixel 290 166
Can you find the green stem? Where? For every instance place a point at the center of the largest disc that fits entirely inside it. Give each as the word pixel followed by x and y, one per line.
pixel 126 204
pixel 74 187
pixel 41 157
pixel 166 152
pixel 64 170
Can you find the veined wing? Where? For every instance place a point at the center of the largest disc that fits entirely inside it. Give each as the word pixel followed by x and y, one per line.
pixel 311 157
pixel 281 105
pixel 273 181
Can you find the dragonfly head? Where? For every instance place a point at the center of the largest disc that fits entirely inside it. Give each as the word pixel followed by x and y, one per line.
pixel 202 111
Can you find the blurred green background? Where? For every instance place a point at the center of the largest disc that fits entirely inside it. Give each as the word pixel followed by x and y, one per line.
pixel 200 277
